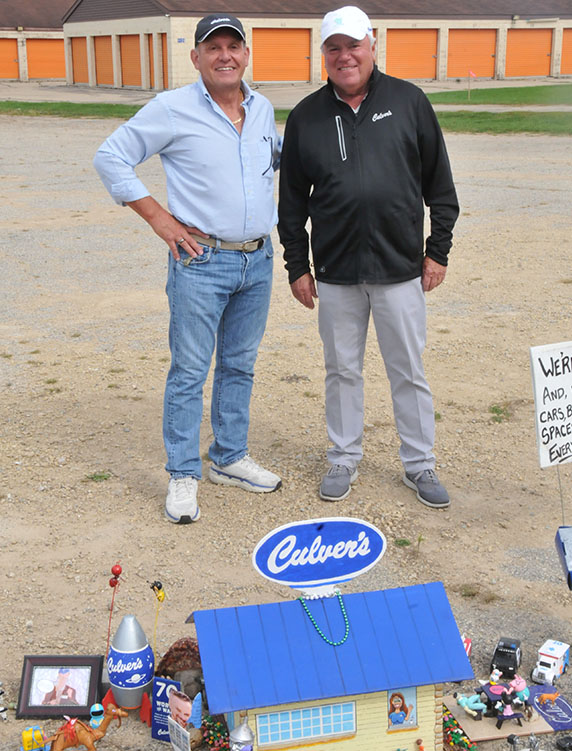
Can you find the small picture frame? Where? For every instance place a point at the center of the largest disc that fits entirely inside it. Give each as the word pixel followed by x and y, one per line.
pixel 54 685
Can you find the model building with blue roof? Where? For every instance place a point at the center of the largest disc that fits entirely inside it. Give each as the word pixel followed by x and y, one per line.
pixel 379 688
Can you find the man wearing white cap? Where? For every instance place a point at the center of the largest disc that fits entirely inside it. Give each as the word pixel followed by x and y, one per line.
pixel 218 146
pixel 360 157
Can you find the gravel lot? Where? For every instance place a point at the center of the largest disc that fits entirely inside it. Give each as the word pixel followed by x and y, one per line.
pixel 82 366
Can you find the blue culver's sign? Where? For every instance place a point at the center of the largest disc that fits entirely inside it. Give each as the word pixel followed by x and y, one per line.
pixel 319 553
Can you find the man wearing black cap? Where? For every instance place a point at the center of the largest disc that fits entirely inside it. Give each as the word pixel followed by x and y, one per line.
pixel 218 145
pixel 369 151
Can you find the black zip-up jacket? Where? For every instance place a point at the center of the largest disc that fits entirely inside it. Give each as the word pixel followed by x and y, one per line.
pixel 362 179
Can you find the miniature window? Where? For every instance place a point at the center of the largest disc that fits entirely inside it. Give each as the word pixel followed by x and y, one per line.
pixel 310 722
pixel 402 709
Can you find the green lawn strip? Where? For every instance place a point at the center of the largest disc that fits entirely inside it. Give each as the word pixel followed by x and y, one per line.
pixel 69 109
pixel 516 96
pixel 557 123
pixel 550 123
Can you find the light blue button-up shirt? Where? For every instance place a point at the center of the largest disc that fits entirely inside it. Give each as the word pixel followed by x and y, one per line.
pixel 218 180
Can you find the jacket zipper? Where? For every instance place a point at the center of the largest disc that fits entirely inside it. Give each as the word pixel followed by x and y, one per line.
pixel 341 141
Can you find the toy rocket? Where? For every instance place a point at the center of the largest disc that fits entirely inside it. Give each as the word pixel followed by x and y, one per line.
pixel 130 664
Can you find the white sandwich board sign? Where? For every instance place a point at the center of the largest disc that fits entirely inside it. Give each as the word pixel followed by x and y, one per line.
pixel 551 367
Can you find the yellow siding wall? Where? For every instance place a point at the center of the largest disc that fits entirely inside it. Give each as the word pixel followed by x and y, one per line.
pixel 371 724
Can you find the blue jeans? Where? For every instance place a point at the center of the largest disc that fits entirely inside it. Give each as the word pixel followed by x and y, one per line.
pixel 220 297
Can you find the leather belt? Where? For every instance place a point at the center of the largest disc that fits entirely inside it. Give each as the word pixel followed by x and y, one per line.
pixel 246 247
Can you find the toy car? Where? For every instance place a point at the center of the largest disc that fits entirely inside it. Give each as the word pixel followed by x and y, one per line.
pixel 507 657
pixel 553 659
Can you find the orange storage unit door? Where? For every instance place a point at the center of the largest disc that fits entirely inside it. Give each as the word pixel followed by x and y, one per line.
pixel 79 60
pixel 566 62
pixel 151 56
pixel 528 52
pixel 164 53
pixel 281 54
pixel 412 53
pixel 324 73
pixel 103 61
pixel 46 58
pixel 9 58
pixel 471 50
pixel 130 60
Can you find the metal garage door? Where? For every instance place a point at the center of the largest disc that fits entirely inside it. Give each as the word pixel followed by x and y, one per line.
pixel 79 60
pixel 528 52
pixel 281 54
pixel 9 58
pixel 46 58
pixel 103 61
pixel 412 53
pixel 130 60
pixel 151 56
pixel 471 50
pixel 566 62
pixel 164 51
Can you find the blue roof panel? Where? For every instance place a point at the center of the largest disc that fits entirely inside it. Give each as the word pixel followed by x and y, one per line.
pixel 266 655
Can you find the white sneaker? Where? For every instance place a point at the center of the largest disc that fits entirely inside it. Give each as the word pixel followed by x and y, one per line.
pixel 181 506
pixel 245 474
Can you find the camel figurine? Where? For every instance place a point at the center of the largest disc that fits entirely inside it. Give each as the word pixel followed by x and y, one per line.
pixel 77 733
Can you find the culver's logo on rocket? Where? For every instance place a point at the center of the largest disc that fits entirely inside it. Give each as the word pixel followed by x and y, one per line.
pixel 319 552
pixel 130 663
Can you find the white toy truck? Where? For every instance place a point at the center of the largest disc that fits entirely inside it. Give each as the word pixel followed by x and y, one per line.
pixel 553 657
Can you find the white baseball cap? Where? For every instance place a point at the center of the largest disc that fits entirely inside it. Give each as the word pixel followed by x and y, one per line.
pixel 348 20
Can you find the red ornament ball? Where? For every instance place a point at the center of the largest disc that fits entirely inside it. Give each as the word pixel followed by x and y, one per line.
pixel 116 570
pixel 113 582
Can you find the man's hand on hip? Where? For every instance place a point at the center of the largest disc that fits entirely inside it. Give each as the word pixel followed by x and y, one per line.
pixel 433 274
pixel 304 290
pixel 169 229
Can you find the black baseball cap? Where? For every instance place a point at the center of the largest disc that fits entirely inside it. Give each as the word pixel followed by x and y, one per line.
pixel 216 21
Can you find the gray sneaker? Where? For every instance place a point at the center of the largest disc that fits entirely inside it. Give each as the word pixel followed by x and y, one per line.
pixel 337 483
pixel 429 489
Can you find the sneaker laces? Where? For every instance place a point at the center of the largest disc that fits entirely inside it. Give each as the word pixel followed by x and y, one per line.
pixel 183 486
pixel 338 469
pixel 429 475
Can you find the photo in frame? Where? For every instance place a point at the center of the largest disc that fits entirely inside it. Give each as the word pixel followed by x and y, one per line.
pixel 54 685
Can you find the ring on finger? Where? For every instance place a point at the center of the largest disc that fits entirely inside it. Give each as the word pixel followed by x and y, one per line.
pixel 182 240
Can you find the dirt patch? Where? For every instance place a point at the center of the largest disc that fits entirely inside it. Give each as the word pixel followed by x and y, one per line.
pixel 82 366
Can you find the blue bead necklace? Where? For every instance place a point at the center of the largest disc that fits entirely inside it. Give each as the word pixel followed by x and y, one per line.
pixel 319 630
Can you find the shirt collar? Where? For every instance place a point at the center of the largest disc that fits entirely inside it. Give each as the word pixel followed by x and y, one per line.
pixel 246 90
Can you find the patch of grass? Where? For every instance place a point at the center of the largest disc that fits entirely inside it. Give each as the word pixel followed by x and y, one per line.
pixel 55 390
pixel 470 590
pixel 51 380
pixel 402 542
pixel 35 352
pixel 556 123
pixel 311 395
pixel 116 370
pixel 515 96
pixel 98 476
pixel 438 416
pixel 6 355
pixel 113 386
pixel 551 123
pixel 499 412
pixel 281 115
pixel 69 109
pixel 565 281
pixel 164 359
pixel 489 597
